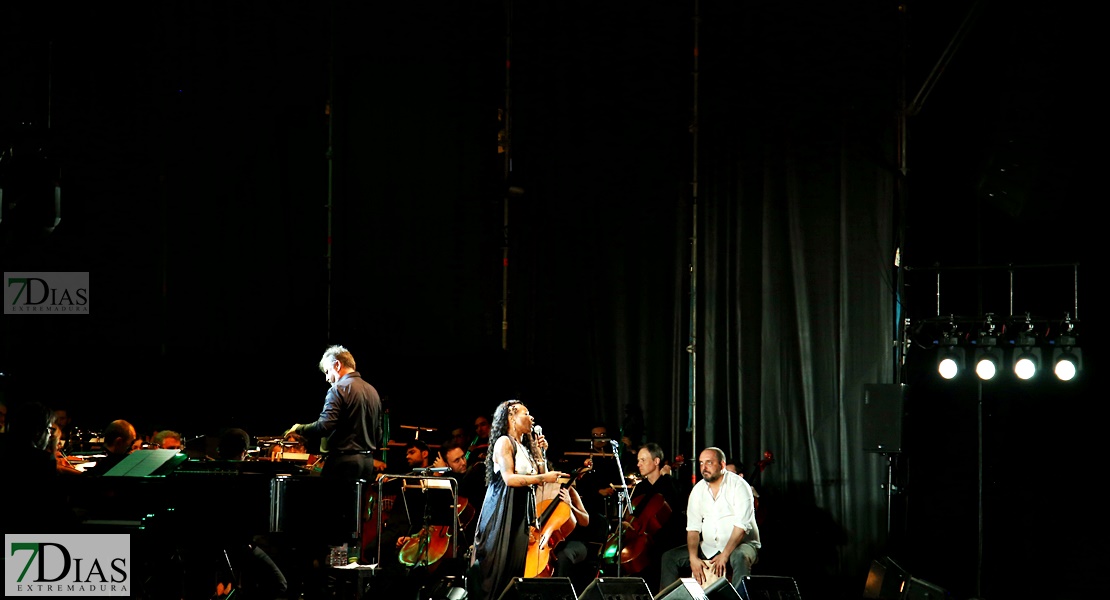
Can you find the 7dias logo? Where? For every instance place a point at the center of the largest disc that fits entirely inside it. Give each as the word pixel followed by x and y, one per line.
pixel 67 565
pixel 46 293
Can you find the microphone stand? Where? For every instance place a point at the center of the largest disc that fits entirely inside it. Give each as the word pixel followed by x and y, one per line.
pixel 623 501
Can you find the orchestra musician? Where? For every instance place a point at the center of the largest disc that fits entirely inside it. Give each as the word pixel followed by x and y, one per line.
pixel 514 465
pixel 476 453
pixel 669 522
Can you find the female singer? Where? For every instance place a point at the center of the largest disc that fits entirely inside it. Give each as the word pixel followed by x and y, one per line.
pixel 514 465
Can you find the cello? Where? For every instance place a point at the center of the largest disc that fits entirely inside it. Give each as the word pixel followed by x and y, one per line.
pixel 554 523
pixel 631 543
pixel 646 517
pixel 433 542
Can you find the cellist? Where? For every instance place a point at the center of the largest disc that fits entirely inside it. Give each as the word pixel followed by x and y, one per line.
pixel 589 529
pixel 671 522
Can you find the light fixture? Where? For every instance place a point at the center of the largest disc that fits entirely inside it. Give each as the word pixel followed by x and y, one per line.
pixel 1067 358
pixel 988 357
pixel 1025 359
pixel 950 356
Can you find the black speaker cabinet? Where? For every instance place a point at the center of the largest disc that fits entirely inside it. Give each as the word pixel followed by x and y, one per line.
pixel 539 588
pixel 686 588
pixel 882 417
pixel 885 581
pixel 923 590
pixel 721 590
pixel 617 588
pixel 768 587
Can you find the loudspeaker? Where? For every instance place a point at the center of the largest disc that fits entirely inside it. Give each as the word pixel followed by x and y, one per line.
pixel 686 588
pixel 539 588
pixel 769 587
pixel 885 581
pixel 721 590
pixel 923 590
pixel 882 417
pixel 617 588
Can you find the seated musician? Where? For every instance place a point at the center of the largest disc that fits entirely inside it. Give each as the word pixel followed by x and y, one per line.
pixel 738 468
pixel 34 496
pixel 167 440
pixel 406 513
pixel 476 453
pixel 668 524
pixel 119 440
pixel 60 458
pixel 233 445
pixel 721 531
pixel 584 541
pixel 471 488
pixel 258 574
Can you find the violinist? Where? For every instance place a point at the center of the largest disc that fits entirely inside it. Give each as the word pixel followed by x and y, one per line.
pixel 514 465
pixel 476 452
pixel 471 482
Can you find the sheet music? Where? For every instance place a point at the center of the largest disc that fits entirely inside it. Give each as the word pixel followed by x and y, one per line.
pixel 141 463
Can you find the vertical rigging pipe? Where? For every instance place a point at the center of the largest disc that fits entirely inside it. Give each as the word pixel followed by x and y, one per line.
pixel 504 146
pixel 330 155
pixel 692 348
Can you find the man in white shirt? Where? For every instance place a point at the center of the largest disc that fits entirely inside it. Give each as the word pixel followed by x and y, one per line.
pixel 721 531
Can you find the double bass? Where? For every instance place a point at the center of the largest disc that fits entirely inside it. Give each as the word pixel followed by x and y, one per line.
pixel 554 523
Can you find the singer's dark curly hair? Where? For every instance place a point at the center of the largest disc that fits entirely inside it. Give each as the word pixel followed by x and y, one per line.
pixel 499 427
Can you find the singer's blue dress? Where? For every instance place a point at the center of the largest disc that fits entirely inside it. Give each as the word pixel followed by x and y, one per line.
pixel 501 539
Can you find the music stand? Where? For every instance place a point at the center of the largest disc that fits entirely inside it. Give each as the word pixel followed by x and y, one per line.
pixel 434 486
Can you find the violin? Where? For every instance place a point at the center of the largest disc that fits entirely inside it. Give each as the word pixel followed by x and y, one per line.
pixel 555 523
pixel 768 459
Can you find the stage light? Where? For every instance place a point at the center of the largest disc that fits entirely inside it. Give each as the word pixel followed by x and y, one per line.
pixel 1067 358
pixel 988 358
pixel 950 356
pixel 1067 361
pixel 1026 358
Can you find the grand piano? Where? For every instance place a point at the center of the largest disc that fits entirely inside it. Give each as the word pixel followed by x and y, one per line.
pixel 168 491
pixel 190 520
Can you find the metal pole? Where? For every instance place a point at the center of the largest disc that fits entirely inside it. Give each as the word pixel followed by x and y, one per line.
pixel 330 155
pixel 692 348
pixel 504 146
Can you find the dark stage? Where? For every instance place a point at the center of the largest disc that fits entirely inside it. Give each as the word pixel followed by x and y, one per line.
pixel 484 203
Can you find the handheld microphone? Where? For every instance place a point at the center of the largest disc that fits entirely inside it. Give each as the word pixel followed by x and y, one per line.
pixel 537 431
